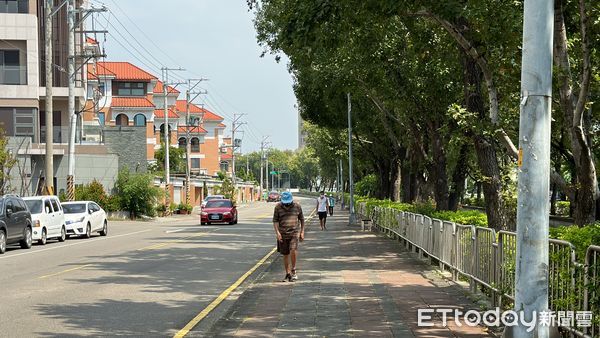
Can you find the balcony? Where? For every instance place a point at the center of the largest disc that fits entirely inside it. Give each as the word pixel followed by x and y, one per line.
pixel 13 75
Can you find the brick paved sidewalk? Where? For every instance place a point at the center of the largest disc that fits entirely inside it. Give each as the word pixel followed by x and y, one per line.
pixel 351 283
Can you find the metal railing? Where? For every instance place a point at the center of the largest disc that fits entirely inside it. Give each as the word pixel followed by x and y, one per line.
pixel 487 259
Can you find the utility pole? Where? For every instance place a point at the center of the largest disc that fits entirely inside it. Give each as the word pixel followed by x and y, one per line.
pixel 71 101
pixel 343 205
pixel 352 219
pixel 165 76
pixel 531 279
pixel 235 125
pixel 49 174
pixel 263 145
pixel 193 124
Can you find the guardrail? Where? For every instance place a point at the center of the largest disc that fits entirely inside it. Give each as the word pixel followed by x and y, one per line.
pixel 487 259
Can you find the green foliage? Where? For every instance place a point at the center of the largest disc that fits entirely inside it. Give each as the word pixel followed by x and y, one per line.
pixel 173 207
pixel 367 185
pixel 227 189
pixel 221 175
pixel 113 203
pixel 93 191
pixel 137 192
pixel 176 160
pixel 580 237
pixel 186 207
pixel 7 162
pixel 562 208
pixel 464 217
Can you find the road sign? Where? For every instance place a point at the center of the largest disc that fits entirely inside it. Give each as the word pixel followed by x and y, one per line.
pixel 273 173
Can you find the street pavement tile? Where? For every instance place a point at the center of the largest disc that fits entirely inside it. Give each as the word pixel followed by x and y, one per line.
pixel 351 284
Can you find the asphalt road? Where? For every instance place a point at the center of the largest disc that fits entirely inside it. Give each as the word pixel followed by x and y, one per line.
pixel 143 279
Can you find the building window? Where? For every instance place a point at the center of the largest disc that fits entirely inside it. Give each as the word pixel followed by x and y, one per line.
pixel 18 122
pixel 139 120
pixel 101 118
pixel 122 120
pixel 130 89
pixel 195 144
pixel 182 143
pixel 195 163
pixel 224 166
pixel 14 6
pixel 101 89
pixel 11 71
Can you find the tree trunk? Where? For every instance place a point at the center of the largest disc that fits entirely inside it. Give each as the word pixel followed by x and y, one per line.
pixel 437 168
pixel 458 178
pixel 586 186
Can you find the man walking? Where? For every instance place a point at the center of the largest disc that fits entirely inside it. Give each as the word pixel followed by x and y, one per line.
pixel 331 204
pixel 288 222
pixel 322 208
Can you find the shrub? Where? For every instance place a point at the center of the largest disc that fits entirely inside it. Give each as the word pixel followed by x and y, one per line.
pixel 562 208
pixel 113 203
pixel 580 237
pixel 137 193
pixel 186 207
pixel 367 185
pixel 465 217
pixel 91 192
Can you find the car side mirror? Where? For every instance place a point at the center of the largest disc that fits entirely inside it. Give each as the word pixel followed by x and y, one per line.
pixel 90 211
pixel 9 211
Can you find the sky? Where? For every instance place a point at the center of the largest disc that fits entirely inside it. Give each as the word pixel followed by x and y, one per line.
pixel 213 39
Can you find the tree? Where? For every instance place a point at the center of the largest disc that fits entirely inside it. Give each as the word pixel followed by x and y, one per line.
pixel 137 192
pixel 7 162
pixel 176 159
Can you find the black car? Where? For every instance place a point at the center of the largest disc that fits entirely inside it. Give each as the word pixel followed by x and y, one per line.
pixel 15 222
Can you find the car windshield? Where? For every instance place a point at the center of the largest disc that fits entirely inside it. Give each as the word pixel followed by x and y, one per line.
pixel 219 204
pixel 74 208
pixel 35 206
pixel 1 204
pixel 208 198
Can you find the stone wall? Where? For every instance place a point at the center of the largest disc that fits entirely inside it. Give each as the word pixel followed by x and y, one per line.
pixel 129 143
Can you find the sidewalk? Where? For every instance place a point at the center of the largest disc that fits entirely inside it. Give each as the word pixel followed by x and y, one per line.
pixel 351 283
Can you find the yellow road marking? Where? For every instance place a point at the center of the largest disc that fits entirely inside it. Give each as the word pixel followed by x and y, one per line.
pixel 65 271
pixel 162 245
pixel 221 298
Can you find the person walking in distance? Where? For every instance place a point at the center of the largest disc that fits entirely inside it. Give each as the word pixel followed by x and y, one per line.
pixel 322 208
pixel 331 204
pixel 288 222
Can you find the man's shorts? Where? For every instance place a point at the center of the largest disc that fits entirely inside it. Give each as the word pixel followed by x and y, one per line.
pixel 287 244
pixel 322 215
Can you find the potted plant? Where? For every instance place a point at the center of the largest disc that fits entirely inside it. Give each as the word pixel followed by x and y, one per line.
pixel 182 209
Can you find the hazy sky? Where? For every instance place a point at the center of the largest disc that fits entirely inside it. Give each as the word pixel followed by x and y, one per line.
pixel 214 39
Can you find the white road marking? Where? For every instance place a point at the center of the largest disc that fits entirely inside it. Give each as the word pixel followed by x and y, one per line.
pixel 73 244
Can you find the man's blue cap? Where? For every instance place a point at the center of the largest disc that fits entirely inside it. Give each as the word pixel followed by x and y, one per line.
pixel 286 197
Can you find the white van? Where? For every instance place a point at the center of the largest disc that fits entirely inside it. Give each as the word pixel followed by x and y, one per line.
pixel 47 217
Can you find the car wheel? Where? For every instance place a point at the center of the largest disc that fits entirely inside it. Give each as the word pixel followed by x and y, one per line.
pixel 236 221
pixel 232 223
pixel 202 223
pixel 104 230
pixel 63 235
pixel 88 231
pixel 2 242
pixel 44 239
pixel 26 241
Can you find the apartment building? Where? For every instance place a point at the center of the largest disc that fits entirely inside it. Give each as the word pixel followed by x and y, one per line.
pixel 23 100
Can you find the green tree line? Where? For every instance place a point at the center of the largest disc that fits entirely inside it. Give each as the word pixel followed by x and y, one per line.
pixel 435 91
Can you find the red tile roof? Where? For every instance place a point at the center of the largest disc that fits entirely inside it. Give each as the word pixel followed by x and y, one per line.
pixel 197 130
pixel 91 41
pixel 194 109
pixel 221 125
pixel 158 89
pixel 123 71
pixel 160 113
pixel 133 102
pixel 226 157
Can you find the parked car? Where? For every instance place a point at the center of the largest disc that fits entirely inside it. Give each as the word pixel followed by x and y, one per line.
pixel 219 211
pixel 47 217
pixel 274 196
pixel 84 218
pixel 15 222
pixel 211 197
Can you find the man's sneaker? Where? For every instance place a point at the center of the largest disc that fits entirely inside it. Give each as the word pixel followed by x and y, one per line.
pixel 294 276
pixel 287 278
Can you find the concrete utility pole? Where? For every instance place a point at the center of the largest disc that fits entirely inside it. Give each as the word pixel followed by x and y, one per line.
pixel 71 102
pixel 49 174
pixel 267 171
pixel 235 125
pixel 343 204
pixel 531 280
pixel 263 145
pixel 193 124
pixel 352 219
pixel 165 76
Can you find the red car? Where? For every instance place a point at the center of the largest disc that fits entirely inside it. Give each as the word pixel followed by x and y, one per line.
pixel 219 211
